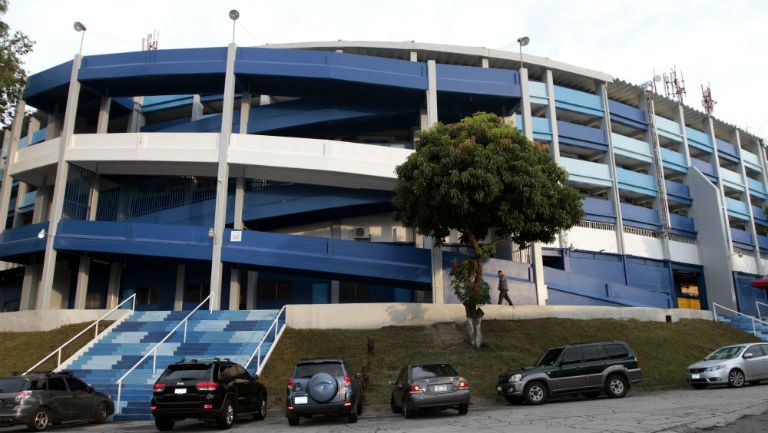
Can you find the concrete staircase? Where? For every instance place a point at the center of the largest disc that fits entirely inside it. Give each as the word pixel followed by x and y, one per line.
pixel 747 324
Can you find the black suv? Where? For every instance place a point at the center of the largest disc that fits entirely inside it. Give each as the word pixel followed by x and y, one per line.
pixel 39 400
pixel 324 386
pixel 579 368
pixel 209 390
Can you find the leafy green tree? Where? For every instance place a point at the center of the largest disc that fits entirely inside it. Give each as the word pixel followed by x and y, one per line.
pixel 484 179
pixel 13 78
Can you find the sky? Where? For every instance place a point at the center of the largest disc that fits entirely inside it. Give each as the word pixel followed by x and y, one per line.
pixel 720 43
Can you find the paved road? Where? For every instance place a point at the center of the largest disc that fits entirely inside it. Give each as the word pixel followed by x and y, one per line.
pixel 679 411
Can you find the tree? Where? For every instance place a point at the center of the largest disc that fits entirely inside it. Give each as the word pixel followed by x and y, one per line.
pixel 13 78
pixel 481 177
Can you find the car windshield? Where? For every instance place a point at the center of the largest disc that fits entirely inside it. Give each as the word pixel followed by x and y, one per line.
pixel 549 357
pixel 12 385
pixel 309 370
pixel 182 372
pixel 432 370
pixel 724 353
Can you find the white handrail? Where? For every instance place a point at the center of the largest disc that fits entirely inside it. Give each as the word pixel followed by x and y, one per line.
pixel 257 352
pixel 757 305
pixel 95 333
pixel 153 351
pixel 752 319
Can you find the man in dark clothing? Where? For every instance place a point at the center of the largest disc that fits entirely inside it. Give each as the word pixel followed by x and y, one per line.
pixel 503 289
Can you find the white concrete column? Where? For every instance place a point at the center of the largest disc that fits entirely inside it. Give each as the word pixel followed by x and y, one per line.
pixel 136 119
pixel 13 147
pixel 525 103
pixel 178 296
pixel 414 57
pixel 736 139
pixel 615 198
pixel 660 203
pixel 29 286
pixel 81 288
pixel 680 117
pixel 23 188
pixel 222 178
pixel 245 112
pixel 250 290
pixel 265 99
pixel 551 115
pixel 709 127
pixel 484 63
pixel 59 187
pixel 234 288
pixel 335 288
pixel 53 128
pixel 436 250
pixel 113 286
pixel 197 108
pixel 102 124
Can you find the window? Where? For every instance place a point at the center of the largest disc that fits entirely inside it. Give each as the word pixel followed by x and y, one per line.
pixel 616 351
pixel 227 372
pixel 550 356
pixel 275 290
pixel 432 370
pixel 182 372
pixel 37 385
pixel 242 374
pixel 8 386
pixel 56 384
pixel 754 350
pixel 309 370
pixel 195 293
pixel 571 356
pixel 76 384
pixel 145 295
pixel 354 292
pixel 593 353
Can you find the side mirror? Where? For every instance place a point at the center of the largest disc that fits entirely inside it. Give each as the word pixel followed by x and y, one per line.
pixel 748 355
pixel 358 375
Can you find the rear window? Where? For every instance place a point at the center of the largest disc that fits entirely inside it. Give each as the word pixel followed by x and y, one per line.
pixel 309 370
pixel 432 370
pixel 183 372
pixel 12 385
pixel 616 351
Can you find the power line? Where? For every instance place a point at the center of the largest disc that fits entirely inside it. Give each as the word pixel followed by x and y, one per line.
pixel 133 44
pixel 246 30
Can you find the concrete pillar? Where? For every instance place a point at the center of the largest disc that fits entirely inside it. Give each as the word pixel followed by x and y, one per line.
pixel 42 202
pixel 81 288
pixel 222 178
pixel 245 112
pixel 178 297
pixel 250 290
pixel 736 139
pixel 435 246
pixel 29 285
pixel 23 188
pixel 709 127
pixel 554 145
pixel 335 287
pixel 234 289
pixel 59 187
pixel 414 56
pixel 484 63
pixel 197 108
pixel 102 125
pixel 113 286
pixel 53 128
pixel 265 99
pixel 680 117
pixel 136 119
pixel 13 147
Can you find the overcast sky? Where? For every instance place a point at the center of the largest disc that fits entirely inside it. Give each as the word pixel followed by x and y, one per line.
pixel 723 43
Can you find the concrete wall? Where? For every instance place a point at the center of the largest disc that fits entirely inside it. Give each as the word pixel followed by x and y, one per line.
pixel 373 316
pixel 45 320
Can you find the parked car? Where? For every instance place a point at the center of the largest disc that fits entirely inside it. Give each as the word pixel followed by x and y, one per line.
pixel 429 385
pixel 324 386
pixel 209 390
pixel 731 365
pixel 39 400
pixel 589 369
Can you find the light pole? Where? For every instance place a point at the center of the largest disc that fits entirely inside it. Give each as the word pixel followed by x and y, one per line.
pixel 80 27
pixel 234 15
pixel 523 41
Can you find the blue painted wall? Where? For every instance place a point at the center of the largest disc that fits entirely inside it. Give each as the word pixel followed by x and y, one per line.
pixel 746 295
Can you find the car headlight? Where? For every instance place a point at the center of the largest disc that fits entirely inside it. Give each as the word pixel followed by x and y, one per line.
pixel 515 378
pixel 716 367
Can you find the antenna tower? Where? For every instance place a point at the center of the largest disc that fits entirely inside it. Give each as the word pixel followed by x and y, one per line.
pixel 674 87
pixel 706 99
pixel 150 42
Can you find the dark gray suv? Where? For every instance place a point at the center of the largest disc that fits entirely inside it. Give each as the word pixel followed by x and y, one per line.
pixel 324 386
pixel 39 400
pixel 589 369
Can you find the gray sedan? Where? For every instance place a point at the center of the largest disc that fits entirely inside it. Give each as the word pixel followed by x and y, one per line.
pixel 732 366
pixel 429 385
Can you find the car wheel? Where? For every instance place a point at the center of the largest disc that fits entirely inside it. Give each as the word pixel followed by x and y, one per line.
pixel 102 412
pixel 293 419
pixel 226 416
pixel 592 394
pixel 261 412
pixel 164 424
pixel 395 408
pixel 699 385
pixel 512 399
pixel 535 392
pixel 616 386
pixel 463 409
pixel 41 420
pixel 736 378
pixel 407 409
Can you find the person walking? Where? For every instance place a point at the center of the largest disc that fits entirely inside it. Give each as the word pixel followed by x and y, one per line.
pixel 503 289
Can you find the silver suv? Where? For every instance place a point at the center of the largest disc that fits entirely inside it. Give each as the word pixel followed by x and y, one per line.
pixel 731 365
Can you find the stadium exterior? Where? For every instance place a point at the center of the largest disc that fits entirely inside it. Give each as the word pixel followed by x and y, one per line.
pixel 264 176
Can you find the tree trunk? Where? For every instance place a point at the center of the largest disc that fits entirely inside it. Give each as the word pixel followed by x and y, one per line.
pixel 474 330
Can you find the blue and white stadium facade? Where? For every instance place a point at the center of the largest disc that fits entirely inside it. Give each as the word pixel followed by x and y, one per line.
pixel 263 176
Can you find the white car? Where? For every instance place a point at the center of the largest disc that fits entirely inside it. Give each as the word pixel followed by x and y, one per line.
pixel 731 365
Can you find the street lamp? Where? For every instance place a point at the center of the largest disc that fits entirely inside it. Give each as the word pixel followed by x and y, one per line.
pixel 80 27
pixel 523 41
pixel 234 15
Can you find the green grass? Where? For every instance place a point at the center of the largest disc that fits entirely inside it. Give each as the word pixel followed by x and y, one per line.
pixel 664 349
pixel 21 350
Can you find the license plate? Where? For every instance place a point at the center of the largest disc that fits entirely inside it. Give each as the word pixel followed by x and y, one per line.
pixel 300 400
pixel 695 376
pixel 440 388
pixel 180 391
pixel 498 388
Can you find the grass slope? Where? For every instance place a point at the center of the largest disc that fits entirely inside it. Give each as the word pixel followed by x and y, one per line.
pixel 664 349
pixel 21 350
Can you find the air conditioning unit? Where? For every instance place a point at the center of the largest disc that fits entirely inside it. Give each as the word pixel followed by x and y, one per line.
pixel 362 233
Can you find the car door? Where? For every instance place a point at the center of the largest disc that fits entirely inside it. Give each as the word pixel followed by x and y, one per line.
pixel 82 399
pixel 764 367
pixel 568 374
pixel 248 388
pixel 594 363
pixel 59 398
pixel 400 387
pixel 753 366
pixel 227 376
